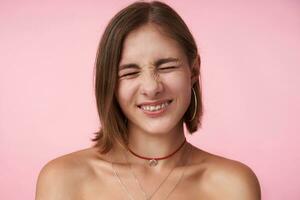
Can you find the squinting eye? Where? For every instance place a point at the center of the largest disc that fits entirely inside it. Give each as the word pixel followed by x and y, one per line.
pixel 129 74
pixel 166 68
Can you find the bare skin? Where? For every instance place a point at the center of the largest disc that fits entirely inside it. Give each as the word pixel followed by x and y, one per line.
pixel 88 175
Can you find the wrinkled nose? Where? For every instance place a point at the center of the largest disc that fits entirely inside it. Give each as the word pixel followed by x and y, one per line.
pixel 151 85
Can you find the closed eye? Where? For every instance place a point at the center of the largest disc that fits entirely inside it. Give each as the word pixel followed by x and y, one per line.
pixel 129 74
pixel 165 68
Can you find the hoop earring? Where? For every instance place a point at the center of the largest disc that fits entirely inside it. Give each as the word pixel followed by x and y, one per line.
pixel 195 100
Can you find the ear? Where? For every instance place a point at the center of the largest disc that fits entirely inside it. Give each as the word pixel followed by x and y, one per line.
pixel 195 70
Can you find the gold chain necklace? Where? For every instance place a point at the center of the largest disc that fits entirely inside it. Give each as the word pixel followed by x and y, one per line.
pixel 121 182
pixel 140 185
pixel 169 193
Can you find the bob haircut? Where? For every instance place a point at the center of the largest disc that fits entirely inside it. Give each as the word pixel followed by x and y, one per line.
pixel 113 121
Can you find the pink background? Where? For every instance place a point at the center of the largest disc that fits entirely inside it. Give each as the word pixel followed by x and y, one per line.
pixel 250 66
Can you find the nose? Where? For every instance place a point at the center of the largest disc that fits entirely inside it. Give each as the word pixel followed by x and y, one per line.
pixel 151 85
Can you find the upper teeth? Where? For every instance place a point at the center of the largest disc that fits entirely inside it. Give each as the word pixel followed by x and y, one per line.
pixel 154 108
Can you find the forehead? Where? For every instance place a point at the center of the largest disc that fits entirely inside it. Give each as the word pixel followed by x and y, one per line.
pixel 149 42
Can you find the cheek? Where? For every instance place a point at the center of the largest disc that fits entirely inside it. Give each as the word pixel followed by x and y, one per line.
pixel 179 82
pixel 125 93
pixel 180 85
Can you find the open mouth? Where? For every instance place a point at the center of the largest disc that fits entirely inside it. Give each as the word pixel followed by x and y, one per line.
pixel 155 107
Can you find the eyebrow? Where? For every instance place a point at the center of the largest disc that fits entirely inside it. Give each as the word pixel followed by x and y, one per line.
pixel 156 63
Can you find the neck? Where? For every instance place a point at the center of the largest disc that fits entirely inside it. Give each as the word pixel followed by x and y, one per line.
pixel 156 145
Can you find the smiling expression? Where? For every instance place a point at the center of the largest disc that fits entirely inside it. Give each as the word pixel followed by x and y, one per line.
pixel 154 84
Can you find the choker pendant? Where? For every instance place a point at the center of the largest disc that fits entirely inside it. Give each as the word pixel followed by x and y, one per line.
pixel 153 162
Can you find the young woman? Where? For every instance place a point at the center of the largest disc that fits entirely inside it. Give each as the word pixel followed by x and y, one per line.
pixel 147 88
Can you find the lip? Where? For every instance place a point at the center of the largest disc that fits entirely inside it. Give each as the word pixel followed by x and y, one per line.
pixel 154 103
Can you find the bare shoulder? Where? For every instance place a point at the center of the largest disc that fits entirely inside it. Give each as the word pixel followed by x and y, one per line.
pixel 224 178
pixel 60 176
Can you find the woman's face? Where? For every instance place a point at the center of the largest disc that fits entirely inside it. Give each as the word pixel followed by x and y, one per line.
pixel 154 86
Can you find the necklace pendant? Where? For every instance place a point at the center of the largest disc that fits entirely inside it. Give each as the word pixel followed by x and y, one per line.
pixel 153 162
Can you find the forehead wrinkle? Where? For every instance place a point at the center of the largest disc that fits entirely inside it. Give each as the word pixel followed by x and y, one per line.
pixel 153 64
pixel 161 61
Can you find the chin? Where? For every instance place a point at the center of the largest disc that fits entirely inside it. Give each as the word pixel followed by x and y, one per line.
pixel 159 128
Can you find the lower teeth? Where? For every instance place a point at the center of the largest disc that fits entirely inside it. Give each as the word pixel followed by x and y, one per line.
pixel 154 110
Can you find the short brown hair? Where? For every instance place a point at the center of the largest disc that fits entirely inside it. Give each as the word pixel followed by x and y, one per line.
pixel 113 122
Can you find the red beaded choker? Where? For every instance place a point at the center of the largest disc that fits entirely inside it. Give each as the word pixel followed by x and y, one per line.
pixel 153 161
